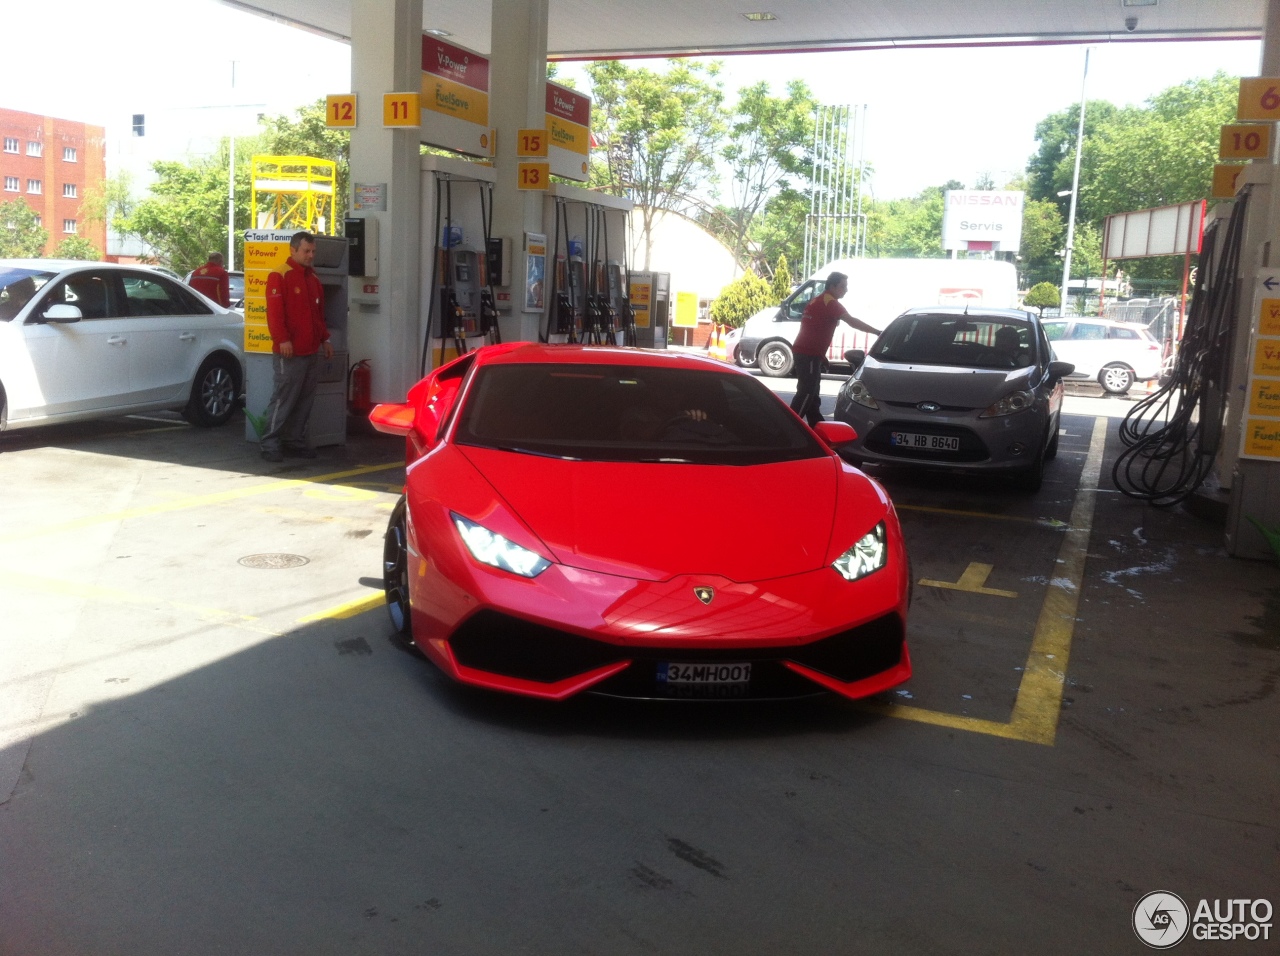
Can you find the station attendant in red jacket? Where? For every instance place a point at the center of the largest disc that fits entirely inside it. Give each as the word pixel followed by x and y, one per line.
pixel 299 336
pixel 211 280
pixel 817 328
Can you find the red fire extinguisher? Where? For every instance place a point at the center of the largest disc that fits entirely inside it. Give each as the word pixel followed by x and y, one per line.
pixel 361 378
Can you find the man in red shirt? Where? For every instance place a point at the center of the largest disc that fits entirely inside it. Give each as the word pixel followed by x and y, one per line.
pixel 212 280
pixel 817 328
pixel 299 336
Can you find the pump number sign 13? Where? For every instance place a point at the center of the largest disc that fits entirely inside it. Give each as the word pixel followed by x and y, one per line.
pixel 533 175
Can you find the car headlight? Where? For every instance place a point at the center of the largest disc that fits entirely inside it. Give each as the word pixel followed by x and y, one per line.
pixel 858 392
pixel 496 551
pixel 868 555
pixel 1013 402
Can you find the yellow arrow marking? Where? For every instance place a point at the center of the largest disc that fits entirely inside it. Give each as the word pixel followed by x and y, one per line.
pixel 973 579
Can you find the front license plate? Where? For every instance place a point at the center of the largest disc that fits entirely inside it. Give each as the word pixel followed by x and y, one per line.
pixel 704 674
pixel 924 442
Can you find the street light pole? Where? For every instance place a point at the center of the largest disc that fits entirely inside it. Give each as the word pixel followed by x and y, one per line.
pixel 1075 191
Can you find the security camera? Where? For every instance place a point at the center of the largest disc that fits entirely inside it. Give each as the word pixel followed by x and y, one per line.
pixel 1131 23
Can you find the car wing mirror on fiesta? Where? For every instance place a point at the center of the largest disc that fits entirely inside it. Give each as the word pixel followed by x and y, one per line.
pixel 1060 369
pixel 61 314
pixel 855 358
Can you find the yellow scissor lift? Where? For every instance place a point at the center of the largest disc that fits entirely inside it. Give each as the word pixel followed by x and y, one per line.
pixel 293 192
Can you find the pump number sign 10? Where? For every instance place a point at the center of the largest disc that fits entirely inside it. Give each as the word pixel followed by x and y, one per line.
pixel 1245 141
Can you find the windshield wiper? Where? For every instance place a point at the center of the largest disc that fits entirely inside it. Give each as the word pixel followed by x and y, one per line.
pixel 529 451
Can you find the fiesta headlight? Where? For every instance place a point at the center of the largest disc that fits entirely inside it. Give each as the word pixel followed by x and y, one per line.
pixel 1011 403
pixel 859 393
pixel 868 555
pixel 496 551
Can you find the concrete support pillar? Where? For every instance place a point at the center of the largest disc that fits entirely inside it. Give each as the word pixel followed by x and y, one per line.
pixel 518 89
pixel 386 57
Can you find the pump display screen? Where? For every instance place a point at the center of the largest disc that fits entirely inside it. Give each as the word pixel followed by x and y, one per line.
pixel 631 413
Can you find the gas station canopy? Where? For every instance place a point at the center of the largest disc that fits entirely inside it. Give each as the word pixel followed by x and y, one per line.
pixel 599 29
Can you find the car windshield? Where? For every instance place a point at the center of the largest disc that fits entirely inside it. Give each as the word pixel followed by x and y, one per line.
pixel 17 286
pixel 631 414
pixel 964 341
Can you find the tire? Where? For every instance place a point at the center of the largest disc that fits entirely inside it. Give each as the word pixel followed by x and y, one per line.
pixel 1051 452
pixel 1116 379
pixel 215 394
pixel 395 573
pixel 775 359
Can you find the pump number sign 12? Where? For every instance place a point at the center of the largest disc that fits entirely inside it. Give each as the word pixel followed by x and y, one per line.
pixel 340 110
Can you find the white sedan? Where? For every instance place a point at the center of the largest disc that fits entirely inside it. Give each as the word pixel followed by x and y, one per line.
pixel 92 339
pixel 1115 354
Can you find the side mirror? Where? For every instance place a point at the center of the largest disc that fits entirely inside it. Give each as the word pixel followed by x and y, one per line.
pixel 836 433
pixel 62 314
pixel 855 357
pixel 1060 369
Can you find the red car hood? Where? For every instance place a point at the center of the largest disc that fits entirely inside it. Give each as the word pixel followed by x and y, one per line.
pixel 654 521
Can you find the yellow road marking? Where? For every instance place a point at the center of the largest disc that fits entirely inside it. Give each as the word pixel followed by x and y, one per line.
pixel 973 579
pixel 343 611
pixel 1039 700
pixel 195 501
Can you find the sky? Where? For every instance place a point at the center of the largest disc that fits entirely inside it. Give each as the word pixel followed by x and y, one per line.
pixel 931 115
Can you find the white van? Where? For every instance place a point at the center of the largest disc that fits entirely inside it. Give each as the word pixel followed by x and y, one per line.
pixel 879 291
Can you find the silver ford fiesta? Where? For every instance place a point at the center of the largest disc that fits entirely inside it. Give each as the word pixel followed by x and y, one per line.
pixel 971 388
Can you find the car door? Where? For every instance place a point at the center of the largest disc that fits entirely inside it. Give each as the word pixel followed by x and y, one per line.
pixel 166 328
pixel 81 365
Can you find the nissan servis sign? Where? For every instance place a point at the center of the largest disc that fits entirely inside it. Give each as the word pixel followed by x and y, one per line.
pixel 982 216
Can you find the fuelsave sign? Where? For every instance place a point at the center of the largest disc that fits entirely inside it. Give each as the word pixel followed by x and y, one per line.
pixel 455 97
pixel 569 125
pixel 990 220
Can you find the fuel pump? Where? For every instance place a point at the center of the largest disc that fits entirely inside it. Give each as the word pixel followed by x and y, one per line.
pixel 488 301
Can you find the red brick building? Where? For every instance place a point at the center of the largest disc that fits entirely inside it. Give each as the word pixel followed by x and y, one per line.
pixel 52 164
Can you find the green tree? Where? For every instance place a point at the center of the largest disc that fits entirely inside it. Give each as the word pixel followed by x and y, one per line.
pixel 1051 167
pixel 1043 295
pixel 782 279
pixel 186 214
pixel 1043 233
pixel 77 247
pixel 21 235
pixel 779 229
pixel 658 133
pixel 768 148
pixel 908 228
pixel 741 299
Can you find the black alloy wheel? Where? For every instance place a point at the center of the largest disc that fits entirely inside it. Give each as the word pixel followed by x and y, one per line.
pixel 395 571
pixel 215 393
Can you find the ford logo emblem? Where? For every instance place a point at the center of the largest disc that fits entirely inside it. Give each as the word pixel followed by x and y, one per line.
pixel 929 406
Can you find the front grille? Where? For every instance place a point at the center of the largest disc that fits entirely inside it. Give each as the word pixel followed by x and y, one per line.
pixel 500 644
pixel 941 408
pixel 972 448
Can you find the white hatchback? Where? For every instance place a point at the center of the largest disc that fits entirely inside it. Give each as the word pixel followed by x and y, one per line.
pixel 92 339
pixel 1115 354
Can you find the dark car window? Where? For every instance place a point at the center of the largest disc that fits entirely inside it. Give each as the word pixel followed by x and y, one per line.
pixel 803 296
pixel 17 286
pixel 152 295
pixel 1054 330
pixel 631 414
pixel 965 341
pixel 1116 333
pixel 95 294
